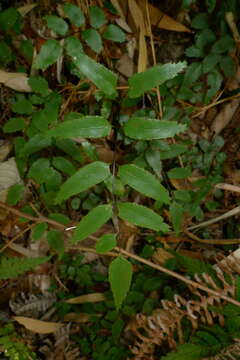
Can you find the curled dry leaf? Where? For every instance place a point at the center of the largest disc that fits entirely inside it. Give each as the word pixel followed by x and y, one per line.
pixel 79 318
pixel 15 81
pixel 92 298
pixel 38 326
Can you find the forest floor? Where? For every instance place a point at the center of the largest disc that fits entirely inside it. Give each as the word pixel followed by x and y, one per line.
pixel 119 180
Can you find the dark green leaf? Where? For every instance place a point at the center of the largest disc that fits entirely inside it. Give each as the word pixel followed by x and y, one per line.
pixel 26 48
pixel 114 33
pixel 36 143
pixel 8 18
pixel 56 241
pixel 211 4
pixel 63 219
pixel 106 243
pixel 225 43
pixel 179 173
pixel 200 21
pixel 144 182
pixel 39 170
pixel 176 214
pixel 210 61
pixel 39 230
pixel 48 55
pixel 70 148
pixel 58 25
pixel 97 17
pixel 227 65
pixel 155 76
pixel 73 46
pixel 90 223
pixel 153 158
pixel 82 126
pixel 6 55
pixel 83 179
pixel 39 85
pixel 120 277
pixel 22 106
pixel 74 14
pixel 64 165
pixel 15 194
pixel 142 128
pixel 14 124
pixel 93 39
pixel 141 216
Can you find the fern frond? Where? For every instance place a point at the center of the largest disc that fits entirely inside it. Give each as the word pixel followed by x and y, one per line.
pixel 165 325
pixel 32 305
pixel 13 267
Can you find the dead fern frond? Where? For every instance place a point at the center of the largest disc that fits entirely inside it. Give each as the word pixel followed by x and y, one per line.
pixel 32 305
pixel 232 352
pixel 165 325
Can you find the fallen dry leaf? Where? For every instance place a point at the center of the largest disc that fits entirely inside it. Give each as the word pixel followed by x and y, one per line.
pixel 160 256
pixel 224 117
pixel 79 318
pixel 9 174
pixel 15 81
pixel 142 56
pixel 24 10
pixel 163 21
pixel 125 66
pixel 121 21
pixel 92 298
pixel 38 326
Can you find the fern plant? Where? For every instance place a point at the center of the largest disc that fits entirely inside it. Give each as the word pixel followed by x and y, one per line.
pixel 13 267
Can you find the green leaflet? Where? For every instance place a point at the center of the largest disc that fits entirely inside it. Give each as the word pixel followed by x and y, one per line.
pixel 93 39
pixel 14 124
pixel 83 179
pixel 58 25
pixel 90 223
pixel 155 76
pixel 74 14
pixel 97 17
pixel 120 277
pixel 103 78
pixel 144 182
pixel 114 33
pixel 39 85
pixel 179 173
pixel 48 55
pixel 15 193
pixel 56 241
pixel 82 126
pixel 141 216
pixel 142 128
pixel 106 243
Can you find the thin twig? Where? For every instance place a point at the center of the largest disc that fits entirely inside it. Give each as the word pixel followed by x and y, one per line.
pixel 130 255
pixel 228 214
pixel 32 218
pixel 178 276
